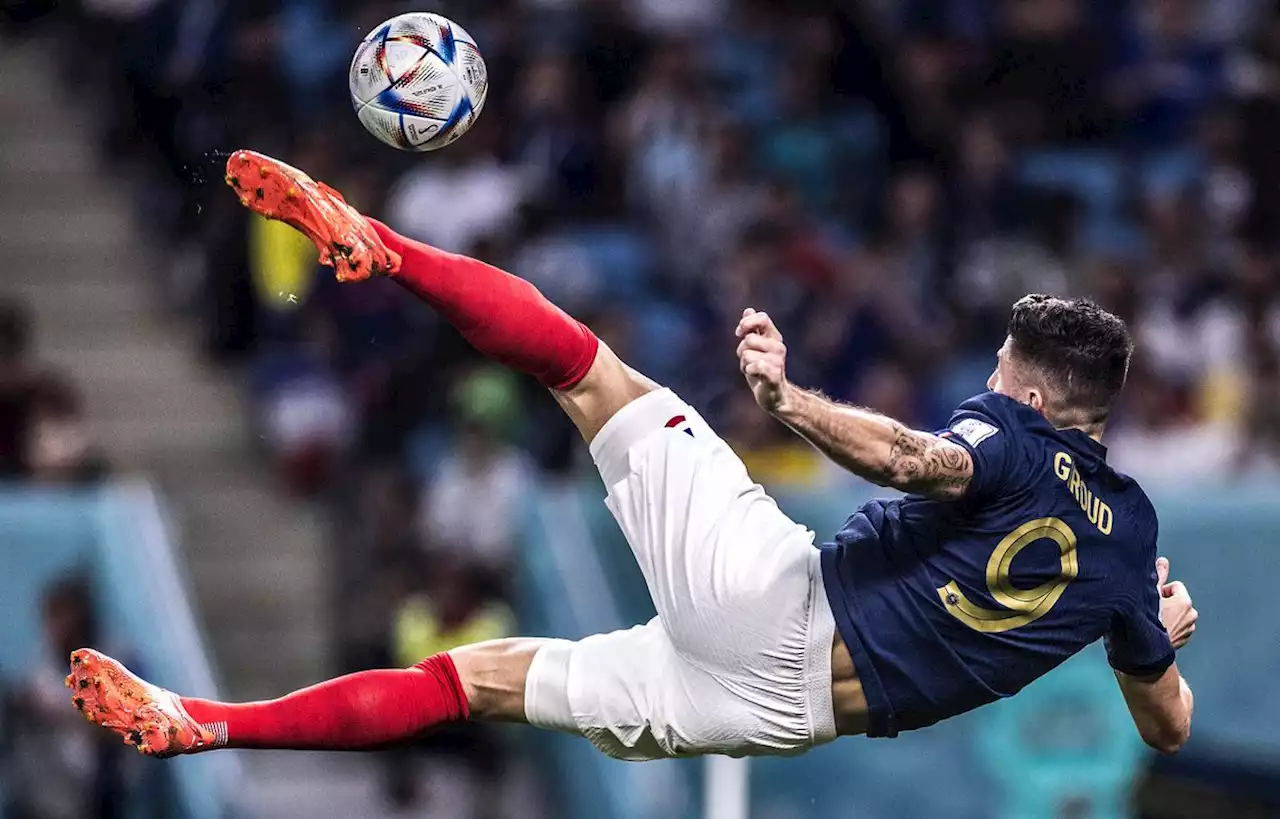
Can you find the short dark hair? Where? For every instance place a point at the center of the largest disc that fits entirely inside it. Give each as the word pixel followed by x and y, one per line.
pixel 1080 351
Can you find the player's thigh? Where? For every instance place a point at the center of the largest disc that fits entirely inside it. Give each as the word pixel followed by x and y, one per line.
pixel 607 387
pixel 717 553
pixel 636 697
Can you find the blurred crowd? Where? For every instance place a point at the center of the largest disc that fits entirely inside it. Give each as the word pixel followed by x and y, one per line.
pixel 55 764
pixel 43 439
pixel 885 177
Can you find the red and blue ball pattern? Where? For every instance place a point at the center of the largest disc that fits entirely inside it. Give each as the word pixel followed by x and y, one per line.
pixel 418 82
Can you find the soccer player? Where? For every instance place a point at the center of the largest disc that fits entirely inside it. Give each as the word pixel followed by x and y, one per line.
pixel 1015 546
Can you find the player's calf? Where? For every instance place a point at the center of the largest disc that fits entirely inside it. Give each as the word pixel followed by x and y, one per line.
pixel 507 319
pixel 365 710
pixel 501 315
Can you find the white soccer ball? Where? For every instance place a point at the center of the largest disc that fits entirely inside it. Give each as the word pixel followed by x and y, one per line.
pixel 418 82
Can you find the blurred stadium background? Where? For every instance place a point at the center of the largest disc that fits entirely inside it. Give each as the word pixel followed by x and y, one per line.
pixel 245 478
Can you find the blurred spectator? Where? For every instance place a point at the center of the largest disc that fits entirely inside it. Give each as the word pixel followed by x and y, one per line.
pixel 1169 71
pixel 449 607
pixel 1158 433
pixel 303 408
pixel 1259 447
pixel 682 178
pixel 806 144
pixel 984 186
pixel 723 202
pixel 17 380
pixel 772 454
pixel 65 768
pixel 660 127
pixel 452 607
pixel 1172 288
pixel 557 263
pixel 1046 72
pixel 472 507
pixel 679 16
pixel 59 449
pixel 456 204
pixel 380 546
pixel 551 139
pixel 1227 188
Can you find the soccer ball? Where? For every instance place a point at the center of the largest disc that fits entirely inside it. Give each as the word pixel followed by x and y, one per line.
pixel 418 82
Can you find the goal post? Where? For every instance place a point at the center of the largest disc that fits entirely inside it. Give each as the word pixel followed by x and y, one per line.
pixel 726 790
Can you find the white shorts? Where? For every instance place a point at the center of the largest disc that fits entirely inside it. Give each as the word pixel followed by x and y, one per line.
pixel 738 660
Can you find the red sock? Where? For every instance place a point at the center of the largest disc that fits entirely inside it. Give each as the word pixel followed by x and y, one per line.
pixel 359 711
pixel 502 316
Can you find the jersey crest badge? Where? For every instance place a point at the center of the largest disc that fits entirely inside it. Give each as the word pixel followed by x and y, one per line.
pixel 973 431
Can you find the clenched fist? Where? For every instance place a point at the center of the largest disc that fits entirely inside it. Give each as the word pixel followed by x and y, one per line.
pixel 762 357
pixel 1177 614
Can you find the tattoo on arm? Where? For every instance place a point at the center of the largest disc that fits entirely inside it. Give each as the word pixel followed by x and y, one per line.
pixel 926 464
pixel 881 449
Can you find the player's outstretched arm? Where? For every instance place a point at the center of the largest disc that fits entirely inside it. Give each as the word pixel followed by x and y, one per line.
pixel 866 443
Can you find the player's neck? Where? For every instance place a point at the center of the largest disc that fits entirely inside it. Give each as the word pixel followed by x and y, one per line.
pixel 1077 421
pixel 1094 431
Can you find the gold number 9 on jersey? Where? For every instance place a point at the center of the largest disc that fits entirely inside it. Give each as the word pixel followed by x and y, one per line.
pixel 1021 606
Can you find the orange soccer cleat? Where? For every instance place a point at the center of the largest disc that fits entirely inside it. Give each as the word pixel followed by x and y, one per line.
pixel 147 717
pixel 278 191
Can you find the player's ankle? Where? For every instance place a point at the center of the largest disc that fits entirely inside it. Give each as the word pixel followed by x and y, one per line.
pixel 393 241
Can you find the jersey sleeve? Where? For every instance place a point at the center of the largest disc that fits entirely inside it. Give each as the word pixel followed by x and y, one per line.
pixel 987 433
pixel 1138 644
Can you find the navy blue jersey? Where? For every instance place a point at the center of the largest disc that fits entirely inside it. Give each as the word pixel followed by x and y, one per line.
pixel 949 605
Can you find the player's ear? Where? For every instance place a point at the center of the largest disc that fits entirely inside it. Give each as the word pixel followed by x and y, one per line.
pixel 1035 400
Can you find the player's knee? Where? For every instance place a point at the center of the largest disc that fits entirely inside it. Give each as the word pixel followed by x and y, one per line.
pixel 607 387
pixel 493 677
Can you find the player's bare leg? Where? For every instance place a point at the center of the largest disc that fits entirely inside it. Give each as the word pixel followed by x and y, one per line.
pixel 502 316
pixel 361 711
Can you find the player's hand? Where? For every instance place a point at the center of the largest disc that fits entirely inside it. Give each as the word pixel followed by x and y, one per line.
pixel 1177 614
pixel 762 357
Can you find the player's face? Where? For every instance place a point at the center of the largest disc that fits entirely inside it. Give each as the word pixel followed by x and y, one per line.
pixel 998 379
pixel 1005 381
